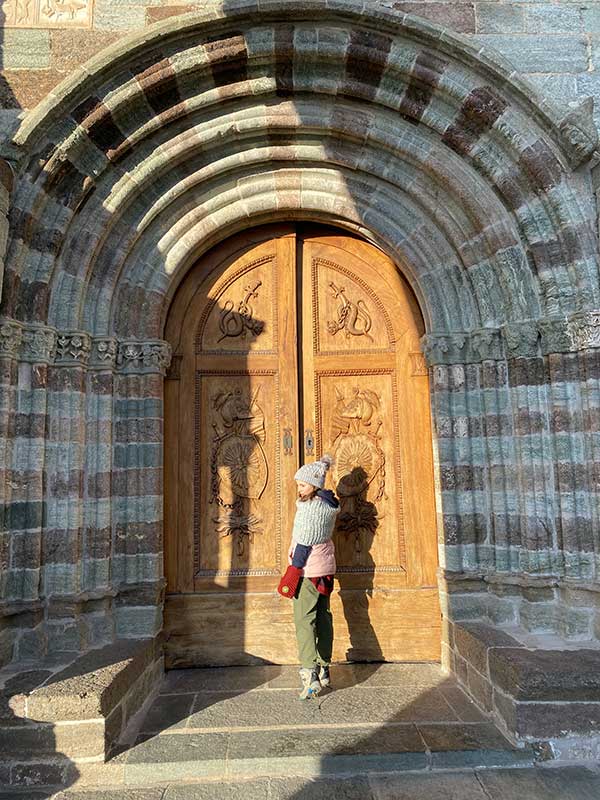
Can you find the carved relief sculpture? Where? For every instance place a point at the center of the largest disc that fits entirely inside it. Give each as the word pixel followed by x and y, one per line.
pixel 241 322
pixel 47 13
pixel 239 470
pixel 353 318
pixel 359 462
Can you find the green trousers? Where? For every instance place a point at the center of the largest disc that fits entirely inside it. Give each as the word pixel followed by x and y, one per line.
pixel 314 625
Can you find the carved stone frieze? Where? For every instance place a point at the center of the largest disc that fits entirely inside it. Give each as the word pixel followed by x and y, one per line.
pixel 569 334
pixel 584 330
pixel 154 356
pixel 73 347
pixel 47 13
pixel 104 353
pixel 521 339
pixel 463 348
pixel 10 339
pixel 516 339
pixel 38 345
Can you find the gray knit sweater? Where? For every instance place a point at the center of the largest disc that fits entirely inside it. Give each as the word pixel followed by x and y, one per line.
pixel 314 521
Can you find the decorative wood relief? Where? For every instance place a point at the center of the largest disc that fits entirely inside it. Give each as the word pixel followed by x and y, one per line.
pixel 241 322
pixel 418 364
pixel 358 426
pixel 47 13
pixel 241 316
pixel 347 315
pixel 352 318
pixel 236 491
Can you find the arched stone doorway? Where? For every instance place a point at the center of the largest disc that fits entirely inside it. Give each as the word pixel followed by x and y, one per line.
pixel 361 117
pixel 288 342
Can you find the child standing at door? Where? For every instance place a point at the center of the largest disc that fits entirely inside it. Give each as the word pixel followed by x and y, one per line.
pixel 312 565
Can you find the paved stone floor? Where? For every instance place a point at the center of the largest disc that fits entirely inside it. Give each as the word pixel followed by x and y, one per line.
pixel 530 783
pixel 384 732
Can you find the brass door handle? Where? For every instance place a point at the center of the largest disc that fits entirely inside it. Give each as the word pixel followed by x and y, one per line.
pixel 288 441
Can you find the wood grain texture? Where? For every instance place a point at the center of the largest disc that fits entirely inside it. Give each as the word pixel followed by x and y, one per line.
pixel 259 627
pixel 285 338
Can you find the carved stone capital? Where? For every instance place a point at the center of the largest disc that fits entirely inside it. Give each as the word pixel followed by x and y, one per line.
pixel 521 339
pixel 11 335
pixel 38 345
pixel 104 353
pixel 154 356
pixel 463 348
pixel 73 347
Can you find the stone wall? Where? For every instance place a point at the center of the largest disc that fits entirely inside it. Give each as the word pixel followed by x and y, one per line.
pixel 555 44
pixel 426 142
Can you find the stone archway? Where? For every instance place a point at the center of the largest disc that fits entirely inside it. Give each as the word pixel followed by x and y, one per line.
pixel 366 118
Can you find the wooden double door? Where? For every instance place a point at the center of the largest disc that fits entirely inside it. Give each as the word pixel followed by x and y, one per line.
pixel 289 343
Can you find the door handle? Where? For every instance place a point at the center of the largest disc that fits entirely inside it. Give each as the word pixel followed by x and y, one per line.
pixel 309 443
pixel 288 441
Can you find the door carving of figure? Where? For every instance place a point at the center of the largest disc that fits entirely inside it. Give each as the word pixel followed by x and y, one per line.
pixel 290 342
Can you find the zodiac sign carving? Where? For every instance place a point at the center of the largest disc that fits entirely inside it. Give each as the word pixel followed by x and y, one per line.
pixel 239 323
pixel 238 465
pixel 359 462
pixel 352 317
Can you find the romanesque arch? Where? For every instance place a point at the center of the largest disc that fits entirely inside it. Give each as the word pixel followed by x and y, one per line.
pixel 370 119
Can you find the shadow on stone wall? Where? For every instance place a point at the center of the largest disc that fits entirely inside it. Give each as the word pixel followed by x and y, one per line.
pixel 7 96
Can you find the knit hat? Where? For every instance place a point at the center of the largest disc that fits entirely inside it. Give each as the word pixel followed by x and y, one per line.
pixel 315 472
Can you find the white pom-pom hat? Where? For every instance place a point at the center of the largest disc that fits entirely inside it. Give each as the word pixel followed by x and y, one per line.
pixel 315 472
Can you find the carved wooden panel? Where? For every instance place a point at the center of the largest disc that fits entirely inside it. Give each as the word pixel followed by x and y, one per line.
pixel 241 315
pixel 47 13
pixel 246 403
pixel 236 474
pixel 357 412
pixel 347 315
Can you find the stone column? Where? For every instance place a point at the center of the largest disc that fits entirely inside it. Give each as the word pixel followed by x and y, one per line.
pixel 516 414
pixel 137 563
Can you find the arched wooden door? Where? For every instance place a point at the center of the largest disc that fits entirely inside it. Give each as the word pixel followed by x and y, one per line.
pixel 288 343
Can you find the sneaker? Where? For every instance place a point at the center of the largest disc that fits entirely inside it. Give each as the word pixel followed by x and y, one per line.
pixel 324 677
pixel 311 685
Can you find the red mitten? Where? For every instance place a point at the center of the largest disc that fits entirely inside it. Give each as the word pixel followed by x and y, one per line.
pixel 288 585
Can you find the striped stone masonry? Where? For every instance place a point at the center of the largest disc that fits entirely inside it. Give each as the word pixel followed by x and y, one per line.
pixel 74 493
pixel 349 114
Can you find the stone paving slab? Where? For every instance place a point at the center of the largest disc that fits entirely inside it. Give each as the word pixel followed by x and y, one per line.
pixel 268 709
pixel 269 676
pixel 451 786
pixel 535 783
pixel 567 783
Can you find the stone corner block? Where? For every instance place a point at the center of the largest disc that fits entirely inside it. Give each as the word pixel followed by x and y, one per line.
pixel 94 683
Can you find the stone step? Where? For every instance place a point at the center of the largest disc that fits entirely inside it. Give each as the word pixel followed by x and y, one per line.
pixel 245 723
pixel 535 783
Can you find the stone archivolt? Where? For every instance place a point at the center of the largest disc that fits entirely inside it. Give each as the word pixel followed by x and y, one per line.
pixel 363 117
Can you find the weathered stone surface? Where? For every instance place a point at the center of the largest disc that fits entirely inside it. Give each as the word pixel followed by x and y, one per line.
pixel 433 787
pixel 473 640
pixel 567 783
pixel 93 684
pixel 25 49
pixel 548 675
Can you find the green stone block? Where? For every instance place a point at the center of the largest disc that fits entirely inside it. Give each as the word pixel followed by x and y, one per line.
pixel 24 48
